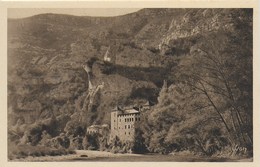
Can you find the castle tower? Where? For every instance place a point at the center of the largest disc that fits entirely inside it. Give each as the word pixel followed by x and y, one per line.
pixel 114 122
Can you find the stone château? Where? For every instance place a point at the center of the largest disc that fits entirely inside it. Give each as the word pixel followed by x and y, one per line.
pixel 125 121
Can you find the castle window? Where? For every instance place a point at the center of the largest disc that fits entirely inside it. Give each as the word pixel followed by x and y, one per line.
pixel 125 126
pixel 125 119
pixel 139 119
pixel 135 119
pixel 129 133
pixel 125 133
pixel 132 119
pixel 119 120
pixel 128 126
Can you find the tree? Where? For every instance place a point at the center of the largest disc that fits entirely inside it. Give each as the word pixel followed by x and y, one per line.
pixel 92 141
pixel 157 122
pixel 74 128
pixel 138 145
pixel 221 71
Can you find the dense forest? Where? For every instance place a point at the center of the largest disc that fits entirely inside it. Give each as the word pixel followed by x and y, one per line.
pixel 205 55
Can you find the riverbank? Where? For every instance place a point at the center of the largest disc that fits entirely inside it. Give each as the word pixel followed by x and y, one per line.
pixel 80 155
pixel 102 156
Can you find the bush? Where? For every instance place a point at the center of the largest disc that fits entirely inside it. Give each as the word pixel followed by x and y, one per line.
pixel 23 151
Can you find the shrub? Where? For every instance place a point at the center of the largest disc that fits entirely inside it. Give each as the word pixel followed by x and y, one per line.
pixel 23 151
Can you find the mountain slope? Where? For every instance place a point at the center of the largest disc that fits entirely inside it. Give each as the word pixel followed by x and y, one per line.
pixel 46 53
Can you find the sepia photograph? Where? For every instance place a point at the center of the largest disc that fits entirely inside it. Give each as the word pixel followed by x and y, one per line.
pixel 130 85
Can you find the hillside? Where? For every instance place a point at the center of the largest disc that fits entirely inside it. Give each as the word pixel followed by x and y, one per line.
pixel 46 80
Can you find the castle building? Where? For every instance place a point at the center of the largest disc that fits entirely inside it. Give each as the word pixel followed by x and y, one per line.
pixel 97 129
pixel 125 121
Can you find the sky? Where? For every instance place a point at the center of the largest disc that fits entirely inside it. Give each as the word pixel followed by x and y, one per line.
pixel 27 12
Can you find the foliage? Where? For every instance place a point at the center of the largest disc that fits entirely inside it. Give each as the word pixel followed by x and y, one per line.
pixel 138 145
pixel 74 128
pixel 91 141
pixel 209 107
pixel 215 70
pixel 23 151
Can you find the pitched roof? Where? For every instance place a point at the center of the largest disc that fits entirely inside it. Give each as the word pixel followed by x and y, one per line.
pixel 130 111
